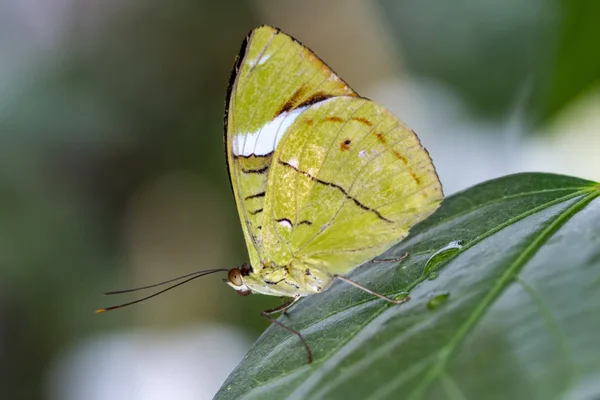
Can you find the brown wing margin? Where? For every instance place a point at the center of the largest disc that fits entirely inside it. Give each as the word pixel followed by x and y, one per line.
pixel 234 72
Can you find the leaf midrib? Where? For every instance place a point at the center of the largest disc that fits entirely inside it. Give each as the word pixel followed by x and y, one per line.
pixel 502 283
pixel 582 190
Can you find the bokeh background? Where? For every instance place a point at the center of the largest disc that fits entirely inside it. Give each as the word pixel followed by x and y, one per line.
pixel 112 169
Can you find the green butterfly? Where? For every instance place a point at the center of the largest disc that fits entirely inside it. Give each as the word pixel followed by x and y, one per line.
pixel 323 179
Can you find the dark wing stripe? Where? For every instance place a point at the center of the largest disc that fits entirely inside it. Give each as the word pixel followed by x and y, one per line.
pixel 255 171
pixel 305 222
pixel 291 103
pixel 314 98
pixel 254 196
pixel 232 77
pixel 235 156
pixel 338 187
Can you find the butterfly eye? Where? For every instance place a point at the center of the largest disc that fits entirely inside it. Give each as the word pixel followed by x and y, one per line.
pixel 235 277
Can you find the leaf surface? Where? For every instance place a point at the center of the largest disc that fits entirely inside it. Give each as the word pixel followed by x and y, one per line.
pixel 513 313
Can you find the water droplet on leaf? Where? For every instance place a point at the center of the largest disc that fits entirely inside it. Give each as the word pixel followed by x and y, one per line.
pixel 438 300
pixel 441 255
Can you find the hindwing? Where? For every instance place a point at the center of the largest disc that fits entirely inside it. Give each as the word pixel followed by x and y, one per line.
pixel 347 182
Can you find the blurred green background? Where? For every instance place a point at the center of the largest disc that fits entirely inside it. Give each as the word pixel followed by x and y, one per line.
pixel 112 168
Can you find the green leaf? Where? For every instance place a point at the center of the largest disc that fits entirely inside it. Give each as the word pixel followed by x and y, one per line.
pixel 514 313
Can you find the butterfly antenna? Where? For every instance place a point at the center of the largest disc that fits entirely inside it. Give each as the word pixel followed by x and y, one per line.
pixel 189 277
pixel 205 272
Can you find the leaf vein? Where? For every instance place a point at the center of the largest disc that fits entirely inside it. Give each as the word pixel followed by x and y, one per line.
pixel 507 277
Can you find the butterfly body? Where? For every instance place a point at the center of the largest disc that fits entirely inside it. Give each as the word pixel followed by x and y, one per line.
pixel 323 179
pixel 295 279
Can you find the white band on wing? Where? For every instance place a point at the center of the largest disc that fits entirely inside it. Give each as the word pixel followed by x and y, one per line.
pixel 265 140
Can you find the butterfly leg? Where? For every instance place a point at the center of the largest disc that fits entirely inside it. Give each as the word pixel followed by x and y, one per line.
pixel 395 259
pixel 282 309
pixel 361 287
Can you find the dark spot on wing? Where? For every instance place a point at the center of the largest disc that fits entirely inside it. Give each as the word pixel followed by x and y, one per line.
pixel 380 137
pixel 291 103
pixel 254 196
pixel 400 157
pixel 256 211
pixel 362 120
pixel 303 222
pixel 415 177
pixel 333 119
pixel 255 171
pixel 284 220
pixel 314 98
pixel 239 156
pixel 345 144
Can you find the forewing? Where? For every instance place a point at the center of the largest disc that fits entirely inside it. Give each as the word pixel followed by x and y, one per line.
pixel 274 79
pixel 347 182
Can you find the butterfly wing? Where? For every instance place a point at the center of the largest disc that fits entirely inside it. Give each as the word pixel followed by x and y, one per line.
pixel 273 80
pixel 347 182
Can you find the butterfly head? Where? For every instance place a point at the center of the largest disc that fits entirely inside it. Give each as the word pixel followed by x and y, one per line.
pixel 235 279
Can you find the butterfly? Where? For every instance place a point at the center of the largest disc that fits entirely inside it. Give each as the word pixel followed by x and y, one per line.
pixel 323 179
